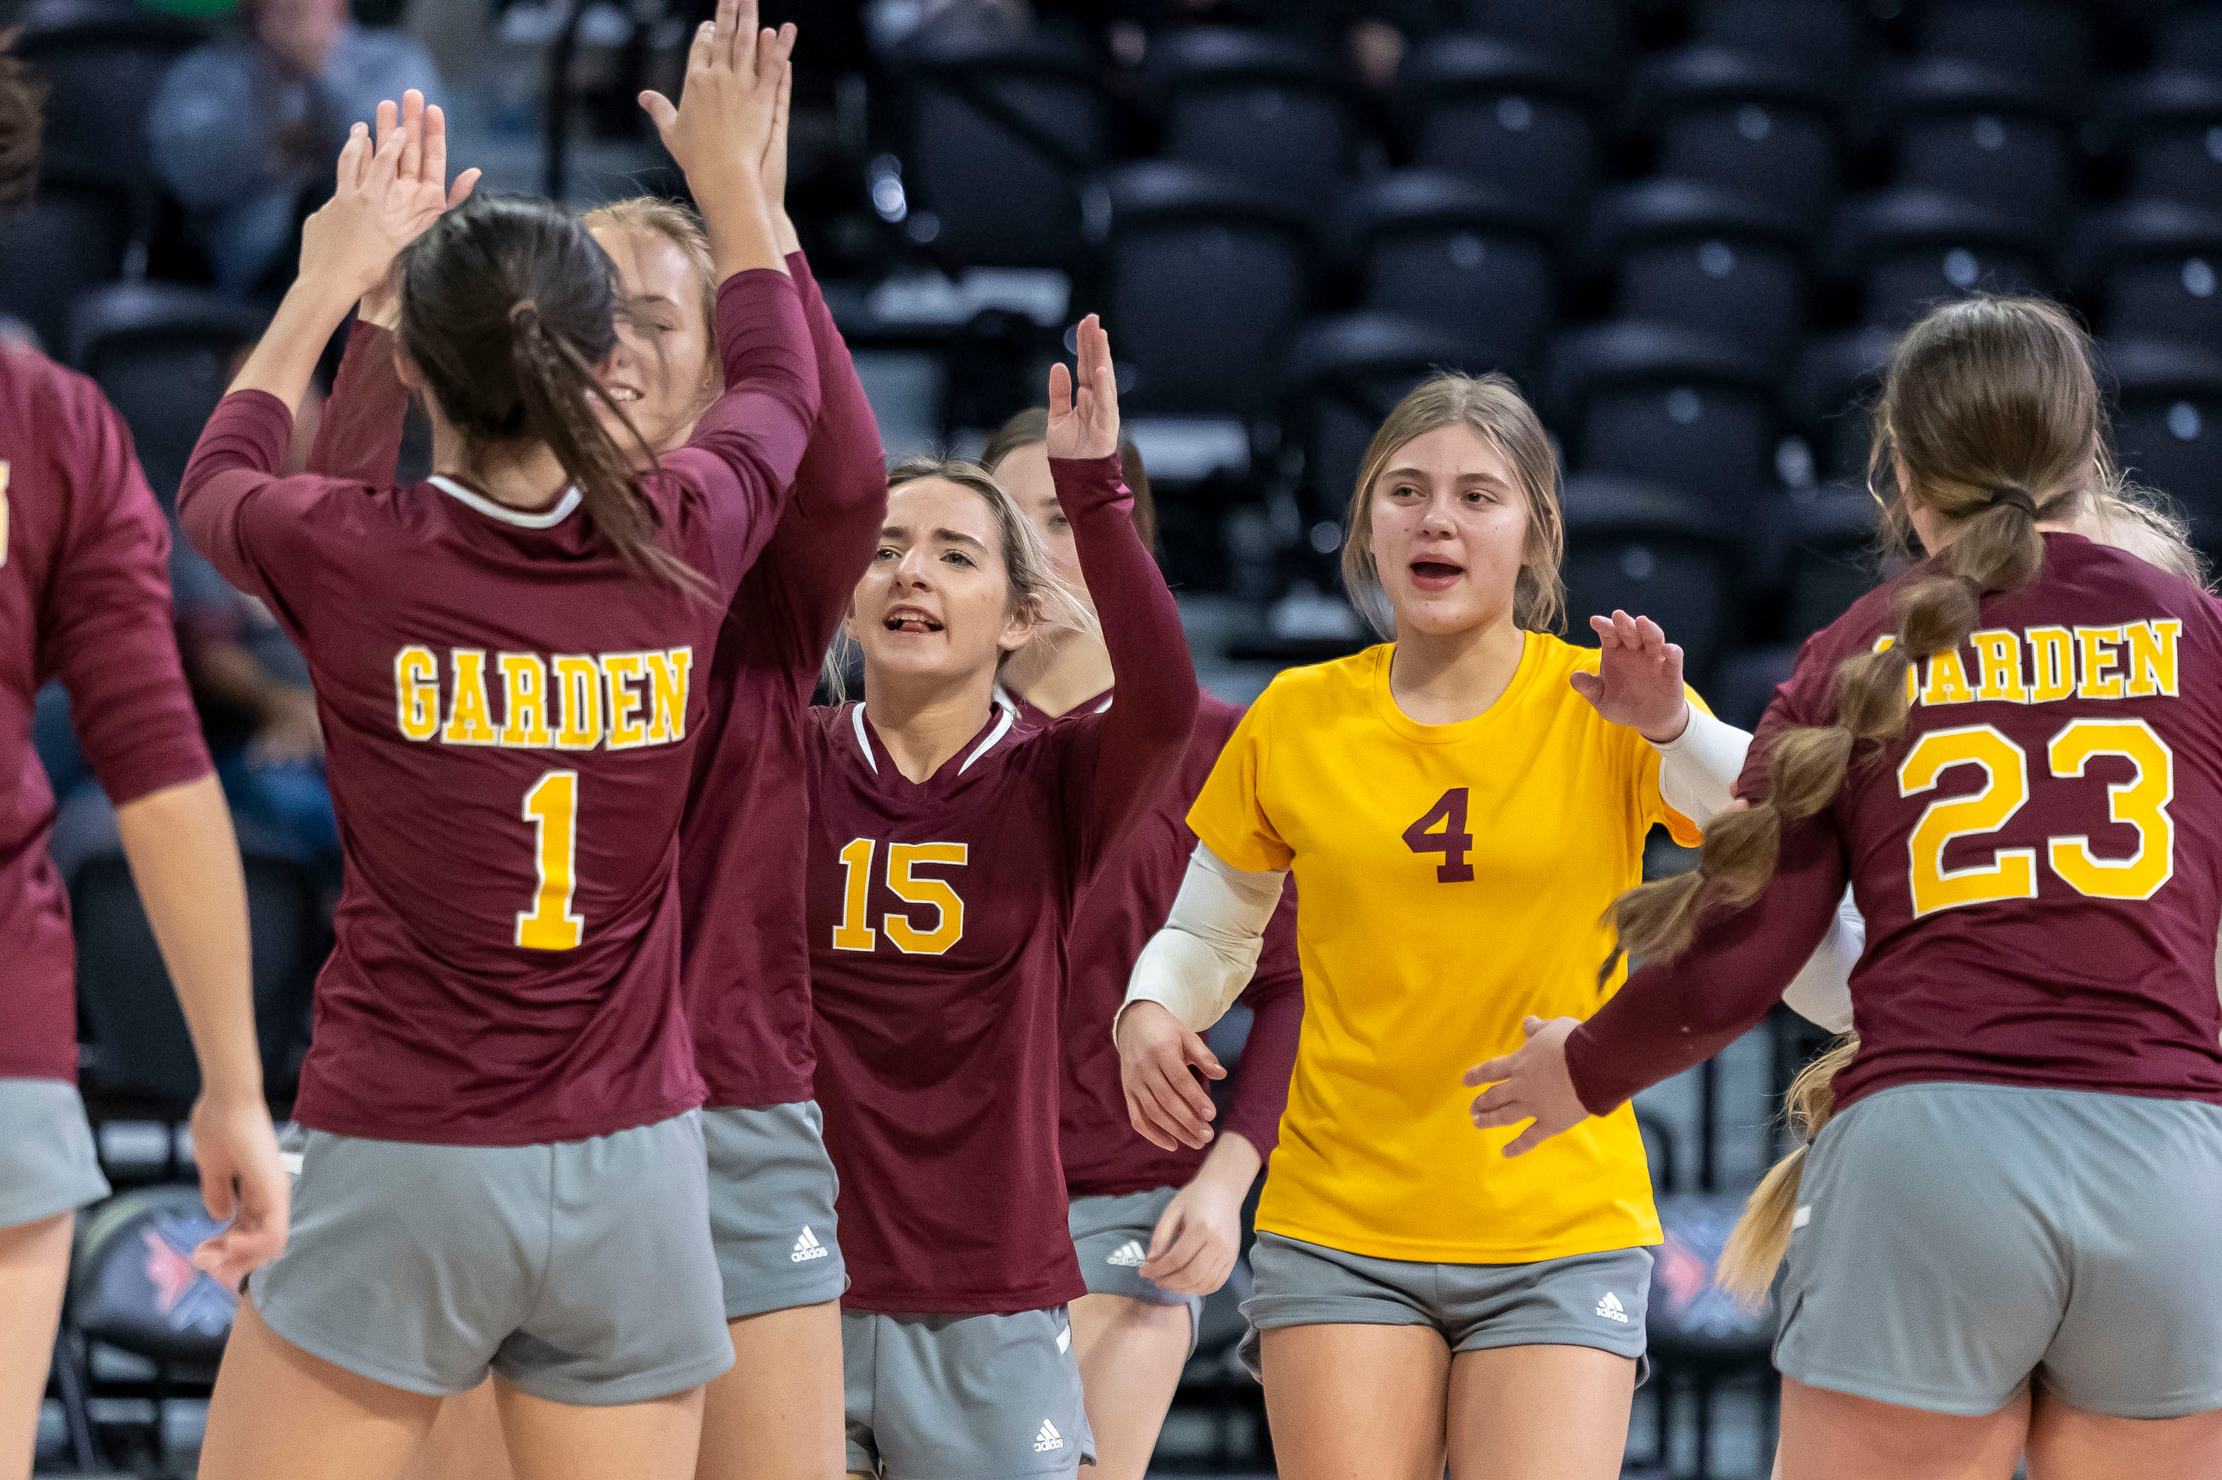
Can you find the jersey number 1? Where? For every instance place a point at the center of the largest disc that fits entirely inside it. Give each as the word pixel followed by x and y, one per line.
pixel 552 807
pixel 1453 842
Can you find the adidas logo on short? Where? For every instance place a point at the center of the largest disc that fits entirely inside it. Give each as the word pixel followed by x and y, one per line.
pixel 1611 1308
pixel 807 1247
pixel 1129 1255
pixel 1047 1438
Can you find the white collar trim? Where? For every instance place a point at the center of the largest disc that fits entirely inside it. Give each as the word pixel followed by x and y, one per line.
pixel 1005 717
pixel 1002 728
pixel 864 741
pixel 545 519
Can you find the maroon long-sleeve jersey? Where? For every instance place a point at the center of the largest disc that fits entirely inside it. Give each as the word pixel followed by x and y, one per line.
pixel 2039 858
pixel 938 917
pixel 1123 907
pixel 85 595
pixel 508 710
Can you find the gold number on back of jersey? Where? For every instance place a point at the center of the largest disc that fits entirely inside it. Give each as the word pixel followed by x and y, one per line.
pixel 552 807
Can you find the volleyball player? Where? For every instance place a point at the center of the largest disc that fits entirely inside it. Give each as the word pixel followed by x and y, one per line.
pixel 1457 807
pixel 745 835
pixel 2003 1238
pixel 1156 1222
pixel 84 587
pixel 503 1148
pixel 949 847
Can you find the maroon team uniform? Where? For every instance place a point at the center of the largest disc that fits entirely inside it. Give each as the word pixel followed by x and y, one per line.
pixel 84 588
pixel 1126 905
pixel 939 914
pixel 508 711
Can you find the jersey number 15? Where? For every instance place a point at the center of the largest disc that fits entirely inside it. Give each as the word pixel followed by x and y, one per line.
pixel 938 895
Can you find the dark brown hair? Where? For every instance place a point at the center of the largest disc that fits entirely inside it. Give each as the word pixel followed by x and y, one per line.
pixel 1491 407
pixel 1991 413
pixel 22 122
pixel 1030 427
pixel 507 307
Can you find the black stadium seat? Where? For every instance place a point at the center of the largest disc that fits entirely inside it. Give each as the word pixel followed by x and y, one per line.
pixel 1002 133
pixel 1742 122
pixel 2172 122
pixel 1687 253
pixel 73 237
pixel 1646 550
pixel 1830 392
pixel 1830 547
pixel 2045 42
pixel 2190 37
pixel 1254 106
pixel 2154 265
pixel 1515 119
pixel 1989 136
pixel 1464 258
pixel 2168 428
pixel 1206 281
pixel 1670 405
pixel 1586 35
pixel 1908 250
pixel 1830 41
pixel 163 355
pixel 1345 375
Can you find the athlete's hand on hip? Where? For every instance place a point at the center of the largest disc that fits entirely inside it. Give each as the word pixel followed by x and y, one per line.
pixel 726 110
pixel 1169 1108
pixel 1532 1084
pixel 1194 1247
pixel 389 192
pixel 424 166
pixel 242 1182
pixel 1638 682
pixel 1084 402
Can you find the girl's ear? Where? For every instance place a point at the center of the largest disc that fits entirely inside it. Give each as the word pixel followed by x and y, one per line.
pixel 412 379
pixel 1021 625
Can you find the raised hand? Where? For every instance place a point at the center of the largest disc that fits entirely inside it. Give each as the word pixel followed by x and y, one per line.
pixel 387 196
pixel 774 168
pixel 1531 1084
pixel 725 115
pixel 424 169
pixel 1638 682
pixel 1084 414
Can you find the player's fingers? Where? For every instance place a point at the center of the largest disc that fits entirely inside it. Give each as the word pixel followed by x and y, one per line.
pixel 1169 1224
pixel 464 184
pixel 1489 1071
pixel 1588 685
pixel 388 118
pixel 772 49
pixel 1179 1114
pixel 704 49
pixel 1145 1127
pixel 1652 634
pixel 1060 389
pixel 1177 1261
pixel 1532 1025
pixel 412 121
pixel 1199 1053
pixel 1501 1117
pixel 660 110
pixel 1607 634
pixel 1527 1140
pixel 1175 1079
pixel 217 1194
pixel 435 145
pixel 1503 1095
pixel 1624 626
pixel 352 156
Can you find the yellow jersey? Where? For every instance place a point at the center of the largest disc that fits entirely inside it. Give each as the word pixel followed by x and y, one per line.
pixel 1450 881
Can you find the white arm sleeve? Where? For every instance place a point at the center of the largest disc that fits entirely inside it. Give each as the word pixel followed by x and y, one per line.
pixel 1698 768
pixel 1200 962
pixel 1822 991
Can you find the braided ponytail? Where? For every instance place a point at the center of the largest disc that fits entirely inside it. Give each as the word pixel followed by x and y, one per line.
pixel 1991 413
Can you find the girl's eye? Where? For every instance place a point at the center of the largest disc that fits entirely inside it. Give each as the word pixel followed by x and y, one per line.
pixel 1404 490
pixel 884 552
pixel 958 557
pixel 1059 521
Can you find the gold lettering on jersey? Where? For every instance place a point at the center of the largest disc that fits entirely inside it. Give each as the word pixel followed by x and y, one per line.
pixel 1947 681
pixel 578 681
pixel 624 670
pixel 467 720
pixel 2152 658
pixel 524 700
pixel 416 681
pixel 1998 660
pixel 2097 650
pixel 567 701
pixel 2053 674
pixel 2042 665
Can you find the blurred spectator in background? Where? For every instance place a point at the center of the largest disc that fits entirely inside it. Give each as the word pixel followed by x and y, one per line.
pixel 244 129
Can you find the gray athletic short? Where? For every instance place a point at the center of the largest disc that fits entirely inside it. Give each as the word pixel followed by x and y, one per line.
pixel 771 1207
pixel 1956 1240
pixel 1581 1300
pixel 47 1161
pixel 1112 1236
pixel 963 1397
pixel 580 1270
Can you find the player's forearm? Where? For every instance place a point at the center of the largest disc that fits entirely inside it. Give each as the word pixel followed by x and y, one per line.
pixel 736 218
pixel 1232 1165
pixel 359 435
pixel 185 862
pixel 1199 963
pixel 1699 767
pixel 284 359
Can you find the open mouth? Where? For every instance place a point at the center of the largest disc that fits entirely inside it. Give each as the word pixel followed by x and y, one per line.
pixel 622 394
pixel 909 619
pixel 1435 575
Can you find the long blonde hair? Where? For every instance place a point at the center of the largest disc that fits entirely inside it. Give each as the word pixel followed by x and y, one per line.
pixel 1035 586
pixel 1491 407
pixel 1991 407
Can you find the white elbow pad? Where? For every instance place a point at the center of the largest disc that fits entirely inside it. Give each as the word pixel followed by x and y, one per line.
pixel 1200 962
pixel 1699 767
pixel 1821 993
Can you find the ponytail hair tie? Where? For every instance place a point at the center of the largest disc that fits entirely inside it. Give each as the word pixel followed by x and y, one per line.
pixel 2014 498
pixel 522 307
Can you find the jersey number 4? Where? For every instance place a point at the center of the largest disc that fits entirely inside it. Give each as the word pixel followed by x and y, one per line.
pixel 2140 803
pixel 938 895
pixel 1453 841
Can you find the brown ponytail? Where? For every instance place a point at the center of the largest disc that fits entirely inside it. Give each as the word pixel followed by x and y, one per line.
pixel 1991 414
pixel 507 305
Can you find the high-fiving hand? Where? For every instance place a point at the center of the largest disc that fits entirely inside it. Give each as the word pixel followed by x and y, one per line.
pixel 1084 417
pixel 728 107
pixel 389 193
pixel 1638 682
pixel 382 305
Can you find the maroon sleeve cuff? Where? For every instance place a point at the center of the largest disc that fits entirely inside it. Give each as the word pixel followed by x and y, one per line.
pixel 1086 484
